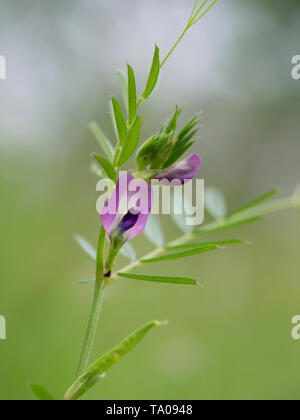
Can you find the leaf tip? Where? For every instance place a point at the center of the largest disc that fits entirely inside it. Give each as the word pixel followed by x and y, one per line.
pixel 160 323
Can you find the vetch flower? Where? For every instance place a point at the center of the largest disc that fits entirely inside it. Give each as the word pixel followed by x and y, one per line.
pixel 182 171
pixel 126 213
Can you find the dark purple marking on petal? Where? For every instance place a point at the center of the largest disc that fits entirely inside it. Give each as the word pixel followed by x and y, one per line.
pixel 128 222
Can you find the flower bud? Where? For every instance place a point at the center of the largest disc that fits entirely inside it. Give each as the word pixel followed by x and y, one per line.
pixel 152 152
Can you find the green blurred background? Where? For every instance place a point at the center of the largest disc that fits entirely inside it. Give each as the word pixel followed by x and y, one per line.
pixel 231 340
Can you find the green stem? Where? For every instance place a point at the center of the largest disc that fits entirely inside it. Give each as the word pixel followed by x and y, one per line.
pixel 117 155
pixel 95 309
pixel 113 253
pixel 100 255
pixel 175 45
pixel 140 101
pixel 194 10
pixel 194 15
pixel 194 18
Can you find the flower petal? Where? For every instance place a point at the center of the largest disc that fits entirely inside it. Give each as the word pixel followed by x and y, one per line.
pixel 136 195
pixel 139 227
pixel 183 171
pixel 110 211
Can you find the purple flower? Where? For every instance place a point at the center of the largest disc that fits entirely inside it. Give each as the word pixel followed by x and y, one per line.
pixel 182 171
pixel 126 213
